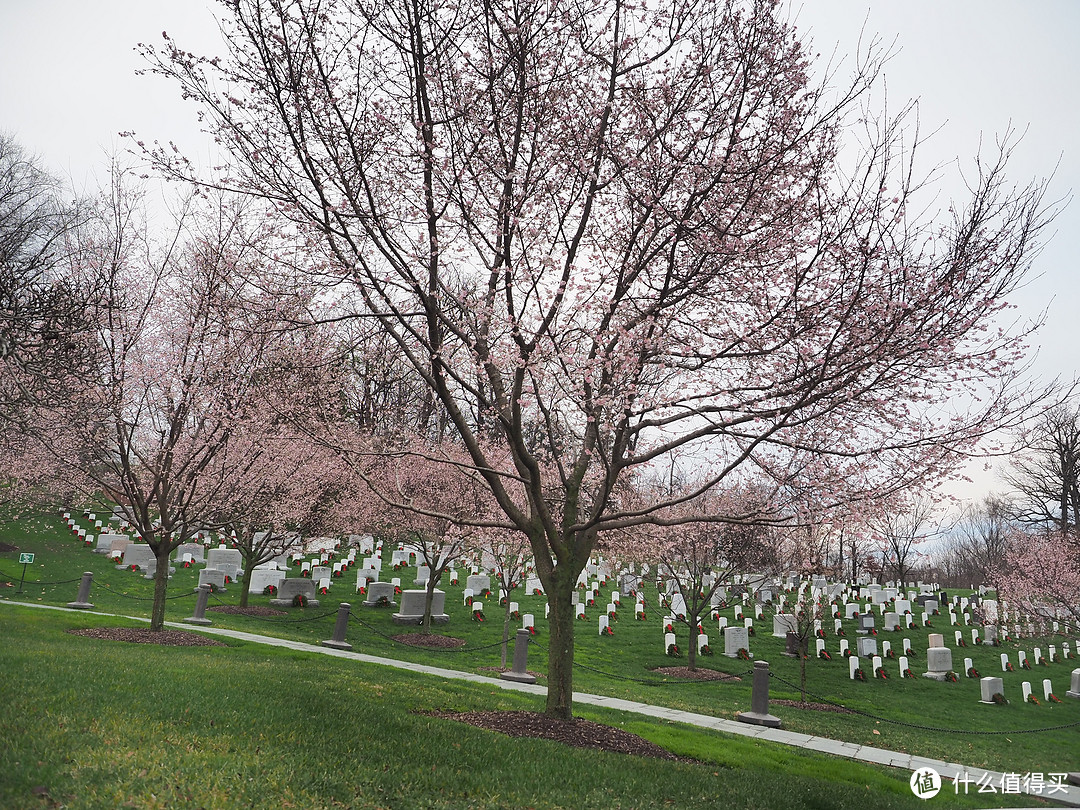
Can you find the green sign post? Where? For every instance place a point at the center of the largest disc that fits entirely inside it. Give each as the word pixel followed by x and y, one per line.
pixel 26 558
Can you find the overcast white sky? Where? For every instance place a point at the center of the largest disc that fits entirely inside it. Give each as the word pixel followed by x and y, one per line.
pixel 68 86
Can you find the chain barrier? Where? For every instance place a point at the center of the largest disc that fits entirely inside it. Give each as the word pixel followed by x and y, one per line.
pixel 35 582
pixel 643 681
pixel 109 588
pixel 353 615
pixel 917 725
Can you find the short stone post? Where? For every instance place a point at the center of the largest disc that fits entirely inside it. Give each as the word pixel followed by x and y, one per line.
pixel 200 607
pixel 520 672
pixel 81 602
pixel 338 642
pixel 759 699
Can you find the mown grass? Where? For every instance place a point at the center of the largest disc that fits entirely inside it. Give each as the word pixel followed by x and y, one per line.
pixel 904 715
pixel 94 724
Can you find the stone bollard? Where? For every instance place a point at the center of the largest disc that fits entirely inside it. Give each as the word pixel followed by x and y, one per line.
pixel 338 642
pixel 200 607
pixel 520 672
pixel 759 699
pixel 84 592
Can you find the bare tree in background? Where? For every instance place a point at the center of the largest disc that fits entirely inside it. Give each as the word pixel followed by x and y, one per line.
pixel 1046 470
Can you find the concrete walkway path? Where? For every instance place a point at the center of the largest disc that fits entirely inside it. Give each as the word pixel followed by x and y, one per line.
pixel 969 778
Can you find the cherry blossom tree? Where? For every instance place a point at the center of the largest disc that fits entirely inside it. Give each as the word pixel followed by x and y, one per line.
pixel 605 233
pixel 178 372
pixel 1041 575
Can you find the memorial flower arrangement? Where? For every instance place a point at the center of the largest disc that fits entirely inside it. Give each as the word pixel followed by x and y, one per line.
pixel 117 559
pixel 362 590
pixel 536 591
pixel 840 631
pixel 950 676
pixel 1025 664
pixel 705 649
pixel 515 614
pixel 1053 698
pixel 1009 667
pixel 613 615
pixel 976 640
pixel 668 627
pixel 228 580
pixel 454 580
pixel 1042 662
pixel 972 672
pixel 848 653
pixel 590 602
pixel 881 674
pixel 896 628
pixel 960 642
pixel 478 615
pixel 999 699
pixel 133 567
pixel 607 631
pixel 859 674
pixel 908 673
pixel 1033 699
pixel 616 602
pixel 890 653
pixel 820 633
pixel 744 654
pixel 824 655
pixel 673 650
pixel 299 601
pixel 270 590
pixel 531 629
pixel 323 590
pixel 750 631
pixel 382 601
pixel 640 615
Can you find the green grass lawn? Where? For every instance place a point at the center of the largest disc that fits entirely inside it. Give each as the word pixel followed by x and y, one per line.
pixel 99 723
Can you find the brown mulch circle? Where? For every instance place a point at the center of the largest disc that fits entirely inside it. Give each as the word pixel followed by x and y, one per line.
pixel 254 610
pixel 508 669
pixel 6 547
pixel 817 707
pixel 139 635
pixel 429 640
pixel 577 732
pixel 696 674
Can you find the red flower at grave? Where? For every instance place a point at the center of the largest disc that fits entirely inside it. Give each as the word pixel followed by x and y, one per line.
pixel 961 643
pixel 616 603
pixel 228 580
pixel 848 653
pixel 607 631
pixel 515 614
pixel 1009 667
pixel 453 581
pixel 859 674
pixel 531 629
pixel 590 603
pixel 1042 662
pixel 640 615
pixel 118 559
pixel 908 673
pixel 950 676
pixel 673 650
pixel 928 623
pixel 836 615
pixel 187 563
pixel 705 650
pixel 536 591
pixel 881 674
pixel 1033 699
pixel 397 590
pixel 134 567
pixel 840 632
pixel 324 590
pixel 999 699
pixel 820 634
pixel 613 616
pixel 582 617
pixel 362 591
pixel 824 655
pixel 1053 698
pixel 891 653
pixel 478 615
pixel 744 654
pixel 270 590
pixel 668 628
pixel 300 600
pixel 896 628
pixel 972 672
pixel 1026 664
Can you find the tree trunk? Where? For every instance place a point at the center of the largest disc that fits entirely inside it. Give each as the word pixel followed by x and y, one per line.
pixel 161 586
pixel 802 671
pixel 560 673
pixel 429 597
pixel 245 583
pixel 691 650
pixel 506 630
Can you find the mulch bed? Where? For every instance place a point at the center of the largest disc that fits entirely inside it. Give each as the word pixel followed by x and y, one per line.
pixel 577 732
pixel 139 635
pixel 254 610
pixel 696 674
pixel 429 640
pixel 6 547
pixel 817 707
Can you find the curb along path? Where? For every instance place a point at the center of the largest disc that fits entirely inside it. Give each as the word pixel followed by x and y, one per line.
pixel 1068 795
